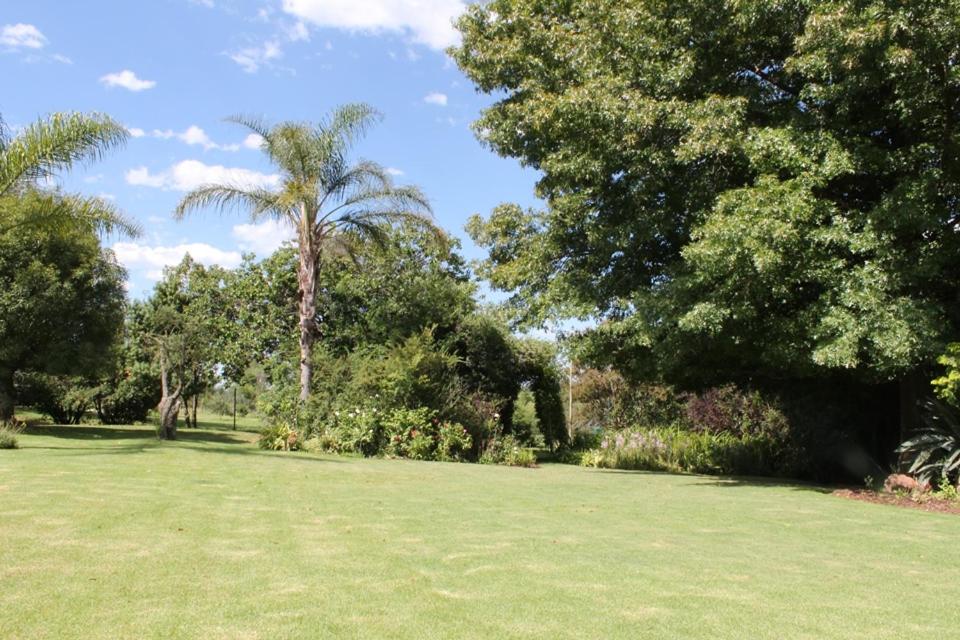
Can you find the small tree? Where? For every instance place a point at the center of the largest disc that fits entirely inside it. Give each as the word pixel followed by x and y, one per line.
pixel 182 328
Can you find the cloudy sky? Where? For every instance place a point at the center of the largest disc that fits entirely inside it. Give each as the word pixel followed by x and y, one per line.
pixel 172 70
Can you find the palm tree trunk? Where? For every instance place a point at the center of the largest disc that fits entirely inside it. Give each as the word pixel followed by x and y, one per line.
pixel 307 278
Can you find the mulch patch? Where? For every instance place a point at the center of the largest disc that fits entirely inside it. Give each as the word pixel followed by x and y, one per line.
pixel 924 503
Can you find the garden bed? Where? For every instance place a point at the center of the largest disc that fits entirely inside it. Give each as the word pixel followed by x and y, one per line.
pixel 923 502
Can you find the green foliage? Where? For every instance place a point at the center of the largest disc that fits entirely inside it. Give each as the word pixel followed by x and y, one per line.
pixel 947 386
pixel 741 191
pixel 526 425
pixel 8 435
pixel 65 399
pixel 62 298
pixel 934 450
pixel 399 432
pixel 454 443
pixel 279 437
pixel 394 289
pixel 946 491
pixel 129 394
pixel 680 450
pixel 509 451
pixel 604 399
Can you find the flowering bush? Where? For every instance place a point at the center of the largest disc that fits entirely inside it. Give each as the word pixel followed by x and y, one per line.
pixel 509 451
pixel 454 443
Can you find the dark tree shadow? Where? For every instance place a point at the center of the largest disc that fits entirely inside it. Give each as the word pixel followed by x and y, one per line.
pixel 86 432
pixel 732 482
pixel 143 439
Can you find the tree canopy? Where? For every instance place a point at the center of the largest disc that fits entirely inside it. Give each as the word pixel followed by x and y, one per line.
pixel 735 190
pixel 62 299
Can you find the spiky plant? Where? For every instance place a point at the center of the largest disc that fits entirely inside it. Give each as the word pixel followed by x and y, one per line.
pixel 332 204
pixel 934 450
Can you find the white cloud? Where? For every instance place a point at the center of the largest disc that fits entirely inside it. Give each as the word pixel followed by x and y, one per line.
pixel 62 59
pixel 394 172
pixel 252 58
pixel 136 132
pixel 298 32
pixel 196 135
pixel 128 80
pixel 193 135
pixel 190 174
pixel 22 36
pixel 439 99
pixel 140 257
pixel 94 178
pixel 428 22
pixel 262 238
pixel 253 141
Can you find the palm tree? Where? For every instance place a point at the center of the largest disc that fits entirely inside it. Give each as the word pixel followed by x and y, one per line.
pixel 332 204
pixel 51 145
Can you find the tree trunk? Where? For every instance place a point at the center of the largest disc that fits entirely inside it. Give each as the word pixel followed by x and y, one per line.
pixel 6 396
pixel 169 410
pixel 186 412
pixel 307 280
pixel 196 401
pixel 909 409
pixel 169 407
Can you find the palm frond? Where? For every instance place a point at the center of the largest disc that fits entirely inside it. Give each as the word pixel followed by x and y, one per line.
pixel 255 124
pixel 57 143
pixel 228 197
pixel 56 211
pixel 351 121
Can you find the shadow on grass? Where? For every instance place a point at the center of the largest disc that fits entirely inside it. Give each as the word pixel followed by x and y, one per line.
pixel 732 481
pixel 771 483
pixel 140 439
pixel 85 432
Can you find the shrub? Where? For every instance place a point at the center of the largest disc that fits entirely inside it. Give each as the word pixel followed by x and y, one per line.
pixel 9 433
pixel 65 399
pixel 727 409
pixel 279 437
pixel 410 433
pixel 934 451
pixel 454 442
pixel 507 450
pixel 584 439
pixel 129 396
pixel 688 451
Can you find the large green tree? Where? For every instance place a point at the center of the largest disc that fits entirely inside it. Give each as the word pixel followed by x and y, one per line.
pixel 736 190
pixel 331 203
pixel 61 297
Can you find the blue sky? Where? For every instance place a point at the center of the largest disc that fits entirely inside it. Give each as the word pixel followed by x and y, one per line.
pixel 171 70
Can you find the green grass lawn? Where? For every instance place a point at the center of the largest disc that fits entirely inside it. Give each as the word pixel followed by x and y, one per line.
pixel 107 533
